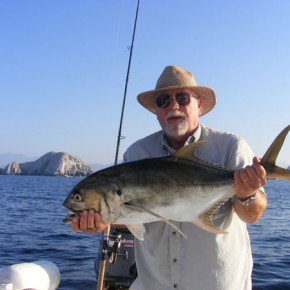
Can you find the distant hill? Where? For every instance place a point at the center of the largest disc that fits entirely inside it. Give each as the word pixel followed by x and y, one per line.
pixel 50 164
pixel 6 158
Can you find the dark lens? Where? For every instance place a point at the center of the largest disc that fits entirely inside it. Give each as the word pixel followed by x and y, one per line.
pixel 182 99
pixel 162 101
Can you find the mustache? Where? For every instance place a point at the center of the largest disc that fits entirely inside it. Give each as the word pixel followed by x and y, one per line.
pixel 171 114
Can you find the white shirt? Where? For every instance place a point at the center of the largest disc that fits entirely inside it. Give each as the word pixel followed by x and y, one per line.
pixel 204 261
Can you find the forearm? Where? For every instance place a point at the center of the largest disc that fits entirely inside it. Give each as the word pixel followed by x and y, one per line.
pixel 251 213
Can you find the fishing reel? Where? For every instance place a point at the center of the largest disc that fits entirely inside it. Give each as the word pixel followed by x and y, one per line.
pixel 114 244
pixel 119 273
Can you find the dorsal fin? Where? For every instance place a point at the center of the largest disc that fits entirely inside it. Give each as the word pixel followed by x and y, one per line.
pixel 186 152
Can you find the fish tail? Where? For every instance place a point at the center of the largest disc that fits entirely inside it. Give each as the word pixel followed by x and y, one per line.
pixel 268 161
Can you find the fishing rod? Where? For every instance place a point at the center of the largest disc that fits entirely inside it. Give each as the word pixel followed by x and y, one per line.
pixel 107 231
pixel 126 85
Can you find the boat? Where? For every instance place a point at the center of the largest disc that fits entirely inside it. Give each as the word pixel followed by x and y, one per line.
pixel 40 274
pixel 120 271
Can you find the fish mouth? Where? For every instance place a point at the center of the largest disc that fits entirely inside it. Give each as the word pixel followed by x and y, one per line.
pixel 68 219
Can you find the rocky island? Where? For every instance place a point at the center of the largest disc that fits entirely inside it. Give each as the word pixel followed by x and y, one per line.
pixel 50 164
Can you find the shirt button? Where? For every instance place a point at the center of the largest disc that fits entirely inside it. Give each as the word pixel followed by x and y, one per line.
pixel 174 233
pixel 175 286
pixel 174 260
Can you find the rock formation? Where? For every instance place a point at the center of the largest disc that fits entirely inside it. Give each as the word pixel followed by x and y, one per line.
pixel 12 169
pixel 51 164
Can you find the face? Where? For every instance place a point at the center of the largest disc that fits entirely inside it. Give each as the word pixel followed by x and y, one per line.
pixel 179 121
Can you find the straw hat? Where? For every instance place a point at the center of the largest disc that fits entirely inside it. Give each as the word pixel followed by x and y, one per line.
pixel 174 77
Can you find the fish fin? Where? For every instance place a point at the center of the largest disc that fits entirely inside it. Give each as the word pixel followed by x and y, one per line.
pixel 137 231
pixel 204 221
pixel 142 209
pixel 209 228
pixel 186 152
pixel 269 159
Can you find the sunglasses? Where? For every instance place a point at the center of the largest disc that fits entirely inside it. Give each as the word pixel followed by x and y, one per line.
pixel 163 100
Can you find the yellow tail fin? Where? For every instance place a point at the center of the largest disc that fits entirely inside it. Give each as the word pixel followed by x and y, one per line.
pixel 268 161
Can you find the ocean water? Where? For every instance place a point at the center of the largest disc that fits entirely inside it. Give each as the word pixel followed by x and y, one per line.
pixel 31 229
pixel 270 239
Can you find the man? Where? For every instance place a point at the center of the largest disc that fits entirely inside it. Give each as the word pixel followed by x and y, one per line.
pixel 165 260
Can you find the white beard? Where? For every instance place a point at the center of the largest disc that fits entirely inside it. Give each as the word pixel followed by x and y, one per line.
pixel 178 128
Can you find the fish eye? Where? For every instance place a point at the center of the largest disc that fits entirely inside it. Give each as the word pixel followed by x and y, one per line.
pixel 77 197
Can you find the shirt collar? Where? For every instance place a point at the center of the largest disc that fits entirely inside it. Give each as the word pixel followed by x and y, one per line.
pixel 194 137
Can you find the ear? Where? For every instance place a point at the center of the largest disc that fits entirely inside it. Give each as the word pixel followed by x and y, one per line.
pixel 199 105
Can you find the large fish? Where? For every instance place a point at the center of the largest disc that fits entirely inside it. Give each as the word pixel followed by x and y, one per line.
pixel 178 187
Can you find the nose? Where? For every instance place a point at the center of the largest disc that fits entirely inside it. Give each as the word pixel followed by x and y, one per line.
pixel 173 105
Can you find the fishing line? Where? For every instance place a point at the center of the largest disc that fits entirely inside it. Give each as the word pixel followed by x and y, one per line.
pixel 107 231
pixel 126 85
pixel 116 43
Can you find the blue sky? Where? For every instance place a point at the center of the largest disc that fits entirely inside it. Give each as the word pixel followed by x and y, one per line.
pixel 64 63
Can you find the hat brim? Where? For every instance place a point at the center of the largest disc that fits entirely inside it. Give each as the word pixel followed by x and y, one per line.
pixel 207 96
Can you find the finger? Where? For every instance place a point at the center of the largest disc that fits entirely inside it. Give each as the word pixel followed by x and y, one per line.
pixel 238 178
pixel 256 177
pixel 261 172
pixel 75 224
pixel 257 174
pixel 98 220
pixel 92 231
pixel 256 160
pixel 83 224
pixel 91 220
pixel 244 175
pixel 99 224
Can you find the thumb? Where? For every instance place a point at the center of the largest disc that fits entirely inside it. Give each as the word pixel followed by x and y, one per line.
pixel 256 160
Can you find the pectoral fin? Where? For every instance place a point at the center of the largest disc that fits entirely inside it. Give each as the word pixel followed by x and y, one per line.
pixel 142 209
pixel 137 231
pixel 204 221
pixel 208 228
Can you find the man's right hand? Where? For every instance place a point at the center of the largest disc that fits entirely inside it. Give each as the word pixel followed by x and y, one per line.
pixel 88 222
